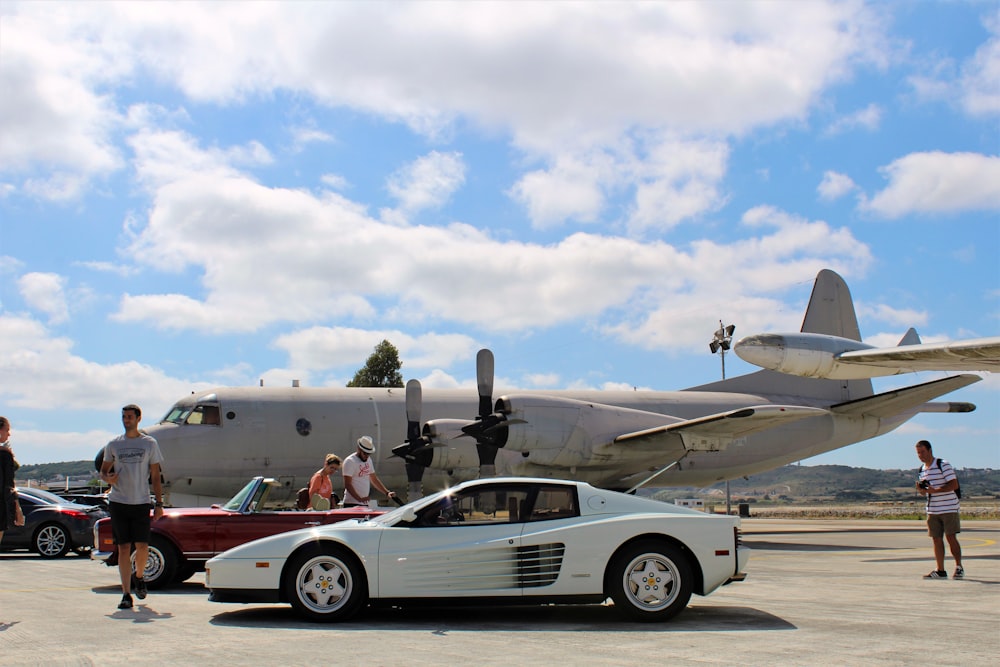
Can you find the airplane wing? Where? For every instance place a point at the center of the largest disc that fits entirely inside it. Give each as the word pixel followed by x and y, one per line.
pixel 712 432
pixel 978 354
pixel 897 401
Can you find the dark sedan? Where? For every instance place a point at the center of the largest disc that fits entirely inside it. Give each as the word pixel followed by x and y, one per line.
pixel 184 538
pixel 52 525
pixel 99 499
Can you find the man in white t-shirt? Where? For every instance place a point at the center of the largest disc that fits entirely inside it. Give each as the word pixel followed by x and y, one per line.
pixel 359 475
pixel 130 461
pixel 938 482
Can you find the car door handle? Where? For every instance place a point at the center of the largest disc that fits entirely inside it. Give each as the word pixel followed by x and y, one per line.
pixel 311 523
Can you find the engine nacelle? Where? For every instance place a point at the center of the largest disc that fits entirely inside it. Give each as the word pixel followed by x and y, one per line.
pixel 564 432
pixel 447 448
pixel 807 355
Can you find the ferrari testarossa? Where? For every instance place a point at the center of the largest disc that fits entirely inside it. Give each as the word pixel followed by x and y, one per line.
pixel 493 541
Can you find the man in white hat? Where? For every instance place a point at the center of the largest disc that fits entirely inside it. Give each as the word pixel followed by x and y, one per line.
pixel 359 475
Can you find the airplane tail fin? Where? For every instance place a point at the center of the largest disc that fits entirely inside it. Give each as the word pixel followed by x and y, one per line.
pixel 910 338
pixel 830 311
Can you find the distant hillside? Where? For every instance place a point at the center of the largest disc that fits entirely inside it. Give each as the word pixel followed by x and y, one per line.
pixel 838 483
pixel 45 471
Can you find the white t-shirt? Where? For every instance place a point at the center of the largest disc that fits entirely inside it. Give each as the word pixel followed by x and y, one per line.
pixel 132 458
pixel 360 473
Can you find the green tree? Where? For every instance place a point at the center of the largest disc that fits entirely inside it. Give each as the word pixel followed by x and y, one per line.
pixel 381 369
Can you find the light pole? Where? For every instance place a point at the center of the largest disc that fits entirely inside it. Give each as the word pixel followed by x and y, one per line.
pixel 720 343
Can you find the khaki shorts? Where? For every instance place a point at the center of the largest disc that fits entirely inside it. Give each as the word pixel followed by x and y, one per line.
pixel 939 525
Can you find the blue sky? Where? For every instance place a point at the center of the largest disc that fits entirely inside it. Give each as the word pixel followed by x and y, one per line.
pixel 213 194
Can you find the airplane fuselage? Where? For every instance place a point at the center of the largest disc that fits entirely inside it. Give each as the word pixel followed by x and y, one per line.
pixel 285 433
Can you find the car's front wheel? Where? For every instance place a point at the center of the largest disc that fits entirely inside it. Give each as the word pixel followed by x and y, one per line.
pixel 325 583
pixel 51 541
pixel 649 581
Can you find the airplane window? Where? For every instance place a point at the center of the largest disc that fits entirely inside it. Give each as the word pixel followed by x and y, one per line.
pixel 204 414
pixel 303 426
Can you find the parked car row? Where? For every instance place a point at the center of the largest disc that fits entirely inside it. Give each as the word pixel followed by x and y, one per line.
pixel 53 526
pixel 489 541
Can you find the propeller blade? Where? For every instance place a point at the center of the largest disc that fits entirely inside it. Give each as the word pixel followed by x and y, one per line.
pixel 414 398
pixel 484 380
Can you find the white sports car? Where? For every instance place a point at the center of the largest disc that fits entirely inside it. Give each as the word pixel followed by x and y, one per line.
pixel 494 541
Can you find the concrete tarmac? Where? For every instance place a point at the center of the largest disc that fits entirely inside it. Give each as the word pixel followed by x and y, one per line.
pixel 819 592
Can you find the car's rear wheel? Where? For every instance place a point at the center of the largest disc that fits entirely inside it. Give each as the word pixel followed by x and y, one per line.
pixel 51 541
pixel 649 581
pixel 325 583
pixel 161 563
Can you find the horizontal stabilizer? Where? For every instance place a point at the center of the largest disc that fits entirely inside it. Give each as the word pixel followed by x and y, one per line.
pixel 715 432
pixel 898 401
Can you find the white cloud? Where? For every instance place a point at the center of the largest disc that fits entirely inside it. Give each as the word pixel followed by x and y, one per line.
pixel 834 186
pixel 334 181
pixel 427 182
pixel 868 118
pixel 55 120
pixel 319 348
pixel 903 317
pixel 736 282
pixel 609 68
pixel 674 179
pixel 45 292
pixel 936 182
pixel 572 188
pixel 267 255
pixel 41 371
pixel 980 80
pixel 304 135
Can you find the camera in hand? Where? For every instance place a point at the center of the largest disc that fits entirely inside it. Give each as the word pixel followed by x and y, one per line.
pixel 924 484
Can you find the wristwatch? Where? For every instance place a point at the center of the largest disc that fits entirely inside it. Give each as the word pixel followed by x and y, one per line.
pixel 158 504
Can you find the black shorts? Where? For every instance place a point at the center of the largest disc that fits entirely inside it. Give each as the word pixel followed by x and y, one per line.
pixel 130 523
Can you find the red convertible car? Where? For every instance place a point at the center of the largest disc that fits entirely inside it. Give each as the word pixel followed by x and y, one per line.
pixel 184 538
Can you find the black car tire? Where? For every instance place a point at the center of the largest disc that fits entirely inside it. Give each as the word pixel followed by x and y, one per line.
pixel 325 583
pixel 185 571
pixel 649 580
pixel 161 563
pixel 51 541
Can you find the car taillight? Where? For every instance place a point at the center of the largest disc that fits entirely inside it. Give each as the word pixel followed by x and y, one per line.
pixel 76 514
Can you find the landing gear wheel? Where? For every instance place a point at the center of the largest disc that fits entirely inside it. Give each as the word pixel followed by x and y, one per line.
pixel 649 581
pixel 325 583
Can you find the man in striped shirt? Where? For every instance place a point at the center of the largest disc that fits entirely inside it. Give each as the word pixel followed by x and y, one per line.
pixel 938 482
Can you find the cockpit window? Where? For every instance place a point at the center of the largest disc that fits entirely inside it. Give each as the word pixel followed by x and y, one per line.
pixel 207 415
pixel 178 414
pixel 201 414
